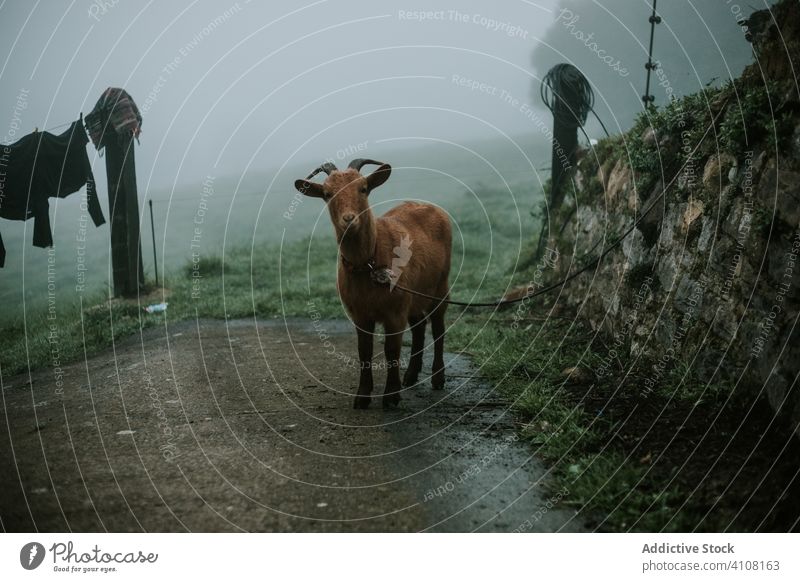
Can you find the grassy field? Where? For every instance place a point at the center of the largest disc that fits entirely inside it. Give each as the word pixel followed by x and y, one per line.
pixel 234 212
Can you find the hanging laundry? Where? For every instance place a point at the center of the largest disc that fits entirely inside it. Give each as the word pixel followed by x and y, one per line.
pixel 115 110
pixel 40 166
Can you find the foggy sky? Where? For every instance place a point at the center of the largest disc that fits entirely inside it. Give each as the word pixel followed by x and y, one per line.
pixel 222 83
pixel 234 87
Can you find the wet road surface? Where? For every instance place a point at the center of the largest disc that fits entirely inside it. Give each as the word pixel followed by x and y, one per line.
pixel 232 426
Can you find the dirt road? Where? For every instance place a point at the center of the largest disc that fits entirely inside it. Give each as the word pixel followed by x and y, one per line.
pixel 229 426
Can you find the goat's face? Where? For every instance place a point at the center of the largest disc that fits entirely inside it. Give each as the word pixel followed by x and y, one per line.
pixel 346 193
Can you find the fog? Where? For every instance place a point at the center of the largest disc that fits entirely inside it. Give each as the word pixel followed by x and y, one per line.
pixel 229 88
pixel 249 95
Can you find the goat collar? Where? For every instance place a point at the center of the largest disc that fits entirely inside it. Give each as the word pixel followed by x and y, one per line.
pixel 380 275
pixel 367 267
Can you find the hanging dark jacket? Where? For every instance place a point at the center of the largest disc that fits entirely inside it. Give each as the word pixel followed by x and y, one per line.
pixel 41 166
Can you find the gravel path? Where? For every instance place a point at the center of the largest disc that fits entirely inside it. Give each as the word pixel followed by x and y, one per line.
pixel 215 426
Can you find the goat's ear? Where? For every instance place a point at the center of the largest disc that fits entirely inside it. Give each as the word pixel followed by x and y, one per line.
pixel 309 188
pixel 379 176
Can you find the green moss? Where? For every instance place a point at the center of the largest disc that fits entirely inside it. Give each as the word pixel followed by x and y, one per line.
pixel 663 139
pixel 609 148
pixel 754 117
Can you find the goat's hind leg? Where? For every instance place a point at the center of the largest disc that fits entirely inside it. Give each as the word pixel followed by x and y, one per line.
pixel 417 348
pixel 391 348
pixel 437 327
pixel 365 331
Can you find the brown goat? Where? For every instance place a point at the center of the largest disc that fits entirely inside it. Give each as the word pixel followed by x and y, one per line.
pixel 414 241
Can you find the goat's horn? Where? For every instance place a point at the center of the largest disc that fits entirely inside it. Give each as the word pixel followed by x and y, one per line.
pixel 359 163
pixel 327 167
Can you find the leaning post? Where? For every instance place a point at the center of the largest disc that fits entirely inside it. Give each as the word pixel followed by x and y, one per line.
pixel 568 95
pixel 113 124
pixel 123 202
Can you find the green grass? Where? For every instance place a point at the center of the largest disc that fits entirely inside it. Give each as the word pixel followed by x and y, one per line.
pixel 576 435
pixel 233 286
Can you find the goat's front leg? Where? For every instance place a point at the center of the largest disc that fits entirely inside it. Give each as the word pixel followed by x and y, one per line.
pixel 366 331
pixel 391 349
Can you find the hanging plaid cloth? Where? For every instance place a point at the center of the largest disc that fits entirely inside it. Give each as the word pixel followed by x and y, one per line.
pixel 115 112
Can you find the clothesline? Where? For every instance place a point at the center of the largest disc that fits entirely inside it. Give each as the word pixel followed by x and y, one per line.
pixel 120 113
pixel 57 126
pixel 47 129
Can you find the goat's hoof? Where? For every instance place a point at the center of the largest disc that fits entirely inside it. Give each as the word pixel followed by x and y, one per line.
pixel 391 401
pixel 361 402
pixel 437 382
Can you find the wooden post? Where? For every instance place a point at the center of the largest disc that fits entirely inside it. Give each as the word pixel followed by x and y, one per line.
pixel 123 202
pixel 565 146
pixel 568 95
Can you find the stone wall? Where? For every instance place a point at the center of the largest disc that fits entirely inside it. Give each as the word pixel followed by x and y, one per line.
pixel 709 278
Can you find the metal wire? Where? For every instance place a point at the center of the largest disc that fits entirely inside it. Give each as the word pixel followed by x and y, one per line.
pixel 565 83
